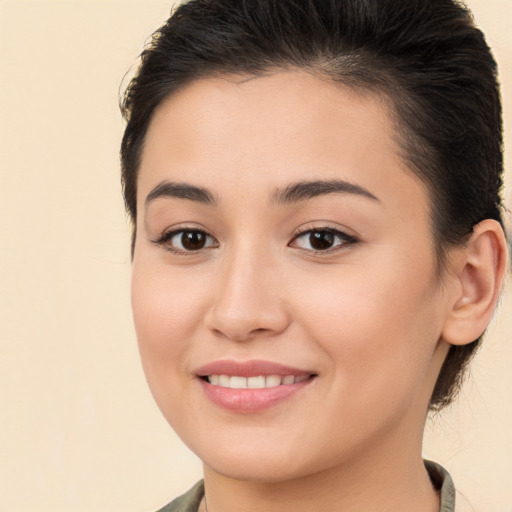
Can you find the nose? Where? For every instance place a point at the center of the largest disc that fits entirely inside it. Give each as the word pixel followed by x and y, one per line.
pixel 248 300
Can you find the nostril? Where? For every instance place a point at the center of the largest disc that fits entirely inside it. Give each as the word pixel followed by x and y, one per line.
pixel 259 330
pixel 238 333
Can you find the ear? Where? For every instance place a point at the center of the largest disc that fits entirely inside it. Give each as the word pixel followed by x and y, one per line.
pixel 479 271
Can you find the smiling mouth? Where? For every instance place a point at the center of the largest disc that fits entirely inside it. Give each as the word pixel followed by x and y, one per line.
pixel 254 394
pixel 255 382
pixel 250 387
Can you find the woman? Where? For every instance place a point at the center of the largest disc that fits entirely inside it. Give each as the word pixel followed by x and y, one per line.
pixel 314 187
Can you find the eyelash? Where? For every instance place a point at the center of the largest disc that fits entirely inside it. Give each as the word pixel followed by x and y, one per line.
pixel 343 237
pixel 344 240
pixel 169 235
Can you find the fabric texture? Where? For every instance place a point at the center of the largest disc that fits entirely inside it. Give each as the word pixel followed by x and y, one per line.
pixel 441 480
pixel 188 502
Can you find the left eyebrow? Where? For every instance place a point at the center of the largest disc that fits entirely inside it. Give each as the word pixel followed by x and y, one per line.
pixel 304 190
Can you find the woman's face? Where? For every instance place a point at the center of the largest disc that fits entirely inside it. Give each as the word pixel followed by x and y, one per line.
pixel 284 283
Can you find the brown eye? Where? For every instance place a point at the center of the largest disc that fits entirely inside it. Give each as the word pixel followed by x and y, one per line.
pixel 321 240
pixel 317 240
pixel 186 240
pixel 193 240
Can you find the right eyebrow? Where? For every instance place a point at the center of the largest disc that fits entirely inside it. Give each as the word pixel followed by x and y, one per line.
pixel 180 191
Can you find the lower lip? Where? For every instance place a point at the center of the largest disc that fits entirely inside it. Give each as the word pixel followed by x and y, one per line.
pixel 251 400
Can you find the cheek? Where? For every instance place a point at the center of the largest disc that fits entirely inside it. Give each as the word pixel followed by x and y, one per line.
pixel 166 309
pixel 165 312
pixel 378 329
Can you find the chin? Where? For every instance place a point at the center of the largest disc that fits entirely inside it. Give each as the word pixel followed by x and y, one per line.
pixel 266 462
pixel 255 469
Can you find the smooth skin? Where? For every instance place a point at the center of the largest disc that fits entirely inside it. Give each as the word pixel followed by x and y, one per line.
pixel 232 269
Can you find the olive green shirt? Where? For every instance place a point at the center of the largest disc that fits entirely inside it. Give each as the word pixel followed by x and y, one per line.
pixel 441 479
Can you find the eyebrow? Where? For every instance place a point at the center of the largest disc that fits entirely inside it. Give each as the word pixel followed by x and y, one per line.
pixel 304 190
pixel 295 192
pixel 180 191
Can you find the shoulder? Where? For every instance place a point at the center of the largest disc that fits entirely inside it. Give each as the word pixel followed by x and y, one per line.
pixel 188 502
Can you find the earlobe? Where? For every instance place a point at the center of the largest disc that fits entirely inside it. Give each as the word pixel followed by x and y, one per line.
pixel 479 274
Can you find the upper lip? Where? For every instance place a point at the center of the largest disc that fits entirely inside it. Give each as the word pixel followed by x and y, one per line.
pixel 250 368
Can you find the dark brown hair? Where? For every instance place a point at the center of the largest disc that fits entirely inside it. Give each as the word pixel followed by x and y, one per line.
pixel 426 56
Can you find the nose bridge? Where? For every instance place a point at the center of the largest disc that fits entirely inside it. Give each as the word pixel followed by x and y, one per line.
pixel 248 299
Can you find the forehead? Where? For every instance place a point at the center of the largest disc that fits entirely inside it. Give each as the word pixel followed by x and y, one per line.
pixel 264 132
pixel 292 102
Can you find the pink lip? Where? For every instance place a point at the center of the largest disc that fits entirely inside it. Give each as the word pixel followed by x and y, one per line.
pixel 250 400
pixel 248 369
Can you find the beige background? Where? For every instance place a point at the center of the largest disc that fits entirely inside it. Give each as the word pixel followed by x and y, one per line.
pixel 78 428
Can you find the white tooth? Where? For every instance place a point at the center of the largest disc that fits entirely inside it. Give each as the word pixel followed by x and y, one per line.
pixel 224 381
pixel 289 379
pixel 256 382
pixel 302 378
pixel 237 382
pixel 272 381
pixel 214 379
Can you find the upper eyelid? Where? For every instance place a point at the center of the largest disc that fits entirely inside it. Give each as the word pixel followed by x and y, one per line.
pixel 347 238
pixel 176 228
pixel 311 229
